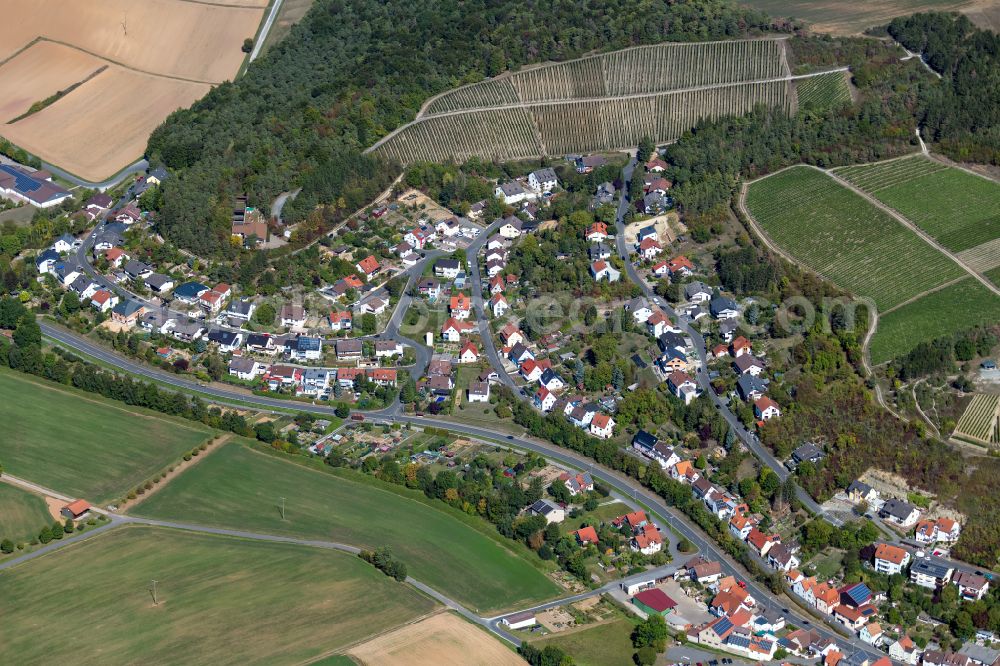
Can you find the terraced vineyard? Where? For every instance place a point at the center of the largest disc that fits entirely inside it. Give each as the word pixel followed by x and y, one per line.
pixel 639 70
pixel 981 420
pixel 843 237
pixel 960 210
pixel 603 102
pixel 551 128
pixel 823 92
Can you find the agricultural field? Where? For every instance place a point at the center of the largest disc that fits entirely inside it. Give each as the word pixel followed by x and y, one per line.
pixel 291 12
pixel 441 639
pixel 159 55
pixel 633 71
pixel 219 600
pixel 841 236
pixel 960 210
pixel 850 18
pixel 823 92
pixel 607 643
pixel 555 128
pixel 981 420
pixel 994 276
pixel 235 485
pixel 82 445
pixel 952 309
pixel 22 514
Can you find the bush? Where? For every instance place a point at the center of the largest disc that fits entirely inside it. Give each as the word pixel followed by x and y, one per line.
pixel 7 546
pixel 646 656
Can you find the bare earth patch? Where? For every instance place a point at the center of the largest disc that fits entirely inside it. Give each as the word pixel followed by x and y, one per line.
pixel 440 640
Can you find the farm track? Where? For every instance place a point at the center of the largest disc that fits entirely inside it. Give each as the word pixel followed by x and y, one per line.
pixel 123 65
pixel 927 420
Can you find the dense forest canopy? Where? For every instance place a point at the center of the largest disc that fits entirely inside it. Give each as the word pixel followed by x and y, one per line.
pixel 350 72
pixel 963 115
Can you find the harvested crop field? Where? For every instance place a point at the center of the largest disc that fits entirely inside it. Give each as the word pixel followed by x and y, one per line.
pixel 69 132
pixel 29 77
pixel 161 55
pixel 441 640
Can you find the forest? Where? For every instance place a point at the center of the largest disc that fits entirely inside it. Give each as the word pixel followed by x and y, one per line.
pixel 962 116
pixel 350 72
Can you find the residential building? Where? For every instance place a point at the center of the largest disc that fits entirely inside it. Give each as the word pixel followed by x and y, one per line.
pixel 859 491
pixel 585 535
pixel 782 558
pixel 898 512
pixel 602 270
pixel 543 180
pixel 577 483
pixel 890 559
pixel 697 292
pixel 511 227
pixel 454 329
pixel 971 587
pixel 722 307
pixel 553 512
pixel 648 541
pixel 904 650
pixel 293 316
pixel 340 320
pixel 512 192
pixel 765 408
pixel 159 283
pixel 602 426
pixel 227 341
pixel 127 312
pixel 447 268
pixel 307 348
pixel 930 572
pixel 240 310
pixel 479 392
pixel 348 349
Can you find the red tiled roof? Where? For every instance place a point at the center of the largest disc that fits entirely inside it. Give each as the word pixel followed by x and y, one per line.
pixel 586 535
pixel 656 599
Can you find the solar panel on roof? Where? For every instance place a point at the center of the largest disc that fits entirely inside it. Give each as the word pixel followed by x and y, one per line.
pixel 22 181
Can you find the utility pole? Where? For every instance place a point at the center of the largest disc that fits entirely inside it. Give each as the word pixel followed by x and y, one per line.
pixel 152 590
pixel 282 508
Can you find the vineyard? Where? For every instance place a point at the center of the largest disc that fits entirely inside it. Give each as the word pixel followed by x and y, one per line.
pixel 960 210
pixel 981 420
pixel 823 92
pixel 841 236
pixel 549 128
pixel 934 315
pixel 640 70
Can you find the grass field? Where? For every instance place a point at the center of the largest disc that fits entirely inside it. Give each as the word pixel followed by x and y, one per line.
pixel 943 312
pixel 838 234
pixel 958 209
pixel 237 486
pixel 607 643
pixel 22 514
pixel 823 92
pixel 848 18
pixel 83 445
pixel 220 600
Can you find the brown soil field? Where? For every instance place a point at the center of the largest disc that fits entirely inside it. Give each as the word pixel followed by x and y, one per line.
pixel 29 76
pixel 848 18
pixel 103 125
pixel 440 640
pixel 188 40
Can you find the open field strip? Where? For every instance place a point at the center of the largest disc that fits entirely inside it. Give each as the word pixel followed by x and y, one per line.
pixel 440 639
pixel 22 514
pixel 29 76
pixel 823 92
pixel 220 600
pixel 237 486
pixel 959 209
pixel 82 444
pixel 983 258
pixel 838 234
pixel 994 276
pixel 979 421
pixel 936 314
pixel 641 69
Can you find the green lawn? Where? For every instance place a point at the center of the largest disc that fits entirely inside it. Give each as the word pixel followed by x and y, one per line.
pixel 608 643
pixel 83 445
pixel 22 514
pixel 958 209
pixel 604 513
pixel 238 487
pixel 838 234
pixel 220 601
pixel 950 310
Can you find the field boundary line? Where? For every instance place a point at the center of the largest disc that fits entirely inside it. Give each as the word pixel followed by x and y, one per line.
pixel 127 67
pixel 178 469
pixel 914 228
pixel 927 292
pixel 906 156
pixel 361 641
pixel 20 50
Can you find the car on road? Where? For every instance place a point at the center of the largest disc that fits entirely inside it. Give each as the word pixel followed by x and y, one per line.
pixel 510 436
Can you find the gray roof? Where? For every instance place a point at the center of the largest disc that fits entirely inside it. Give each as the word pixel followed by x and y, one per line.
pixel 807 451
pixel 859 486
pixel 932 566
pixel 511 188
pixel 696 287
pixel 980 653
pixel 748 384
pixel 134 267
pixel 898 508
pixel 158 280
pixel 348 346
pixel 720 303
pixel 543 175
pixel 242 364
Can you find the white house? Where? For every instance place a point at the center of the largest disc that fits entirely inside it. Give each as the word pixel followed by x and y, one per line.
pixel 602 426
pixel 511 227
pixel 904 650
pixel 871 633
pixel 602 270
pixel 543 180
pixel 764 408
pixel 479 392
pixel 545 399
pixel 499 305
pixel 512 192
pixel 890 559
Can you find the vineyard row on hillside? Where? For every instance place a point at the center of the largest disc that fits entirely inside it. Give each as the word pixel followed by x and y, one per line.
pixel 556 129
pixel 640 70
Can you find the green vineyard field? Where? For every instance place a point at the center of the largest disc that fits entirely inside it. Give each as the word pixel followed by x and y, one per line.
pixel 980 419
pixel 823 92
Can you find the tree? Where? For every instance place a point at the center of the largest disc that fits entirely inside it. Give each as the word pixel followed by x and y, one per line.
pixel 652 632
pixel 368 323
pixel 7 546
pixel 265 314
pixel 342 411
pixel 646 656
pixel 45 535
pixel 28 333
pixel 247 45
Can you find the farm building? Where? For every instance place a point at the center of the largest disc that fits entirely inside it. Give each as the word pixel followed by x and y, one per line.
pixel 33 187
pixel 654 602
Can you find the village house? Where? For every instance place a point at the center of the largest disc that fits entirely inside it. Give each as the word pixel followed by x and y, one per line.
pixel 890 559
pixel 369 266
pixel 602 426
pixel 293 316
pixel 499 305
pixel 246 368
pixel 227 341
pixel 747 364
pixel 766 409
pixel 76 510
pixel 543 180
pixel 373 305
pixel 348 349
pixel 469 353
pixel 511 227
pixel 454 329
pixel 649 249
pixel 479 392
pixel 680 267
pixel 577 483
pixel 597 232
pixel 942 530
pixel 898 512
pixel 602 270
pixel 552 512
pixel 697 292
pixel 388 348
pixel 512 192
pixel 447 268
pixel 904 650
pixel 648 541
pixel 460 306
pixel 340 320
pixel 859 491
pixel 722 307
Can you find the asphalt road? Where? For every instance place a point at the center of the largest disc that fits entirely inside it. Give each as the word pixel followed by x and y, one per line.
pixel 479 306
